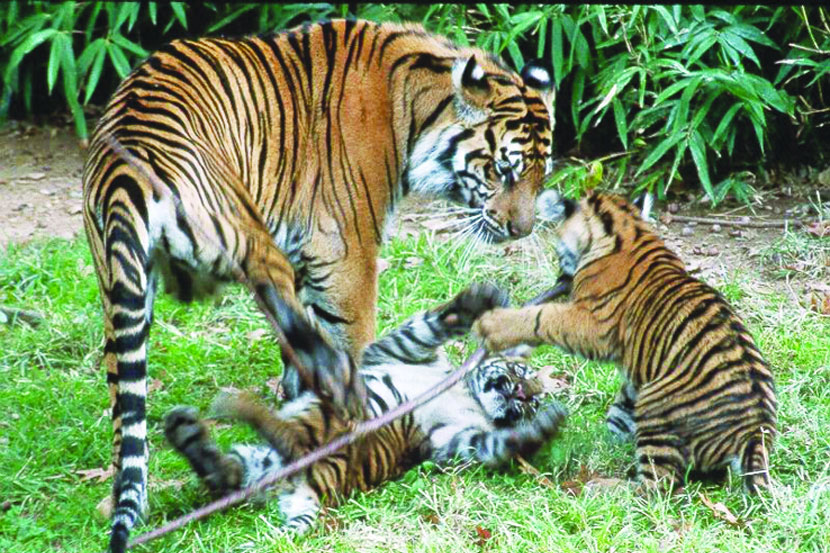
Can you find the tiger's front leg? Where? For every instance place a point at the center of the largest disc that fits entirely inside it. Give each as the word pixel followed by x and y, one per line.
pixel 566 325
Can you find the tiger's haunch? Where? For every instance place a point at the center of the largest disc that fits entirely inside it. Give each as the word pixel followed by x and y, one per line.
pixel 697 391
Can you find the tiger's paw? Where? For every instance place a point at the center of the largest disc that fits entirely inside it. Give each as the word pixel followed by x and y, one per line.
pixel 501 329
pixel 334 377
pixel 462 311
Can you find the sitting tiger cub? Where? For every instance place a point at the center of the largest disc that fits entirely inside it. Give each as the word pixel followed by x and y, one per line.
pixel 697 391
pixel 493 416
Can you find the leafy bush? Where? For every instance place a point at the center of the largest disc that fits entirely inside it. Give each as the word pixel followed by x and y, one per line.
pixel 661 94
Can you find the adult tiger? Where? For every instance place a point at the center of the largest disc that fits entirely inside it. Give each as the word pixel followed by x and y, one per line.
pixel 697 391
pixel 490 418
pixel 285 155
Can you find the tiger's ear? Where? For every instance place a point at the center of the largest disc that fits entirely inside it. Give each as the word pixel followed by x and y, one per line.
pixel 538 76
pixel 471 89
pixel 551 207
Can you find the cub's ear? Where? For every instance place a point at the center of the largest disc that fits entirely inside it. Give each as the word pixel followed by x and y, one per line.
pixel 471 89
pixel 537 75
pixel 551 207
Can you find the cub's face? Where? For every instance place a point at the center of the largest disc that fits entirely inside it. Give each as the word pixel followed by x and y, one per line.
pixel 494 152
pixel 508 391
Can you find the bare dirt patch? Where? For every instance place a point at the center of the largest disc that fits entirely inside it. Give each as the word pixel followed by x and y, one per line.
pixel 40 183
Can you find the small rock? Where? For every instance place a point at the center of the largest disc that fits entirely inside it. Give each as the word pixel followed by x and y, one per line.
pixel 687 231
pixel 697 250
pixel 76 194
pixel 673 207
pixel 736 233
pixel 41 224
pixel 5 506
pixel 712 250
pixel 692 223
pixel 46 191
pixel 744 220
pixel 716 228
pixel 35 176
pixel 21 207
pixel 3 181
pixel 74 210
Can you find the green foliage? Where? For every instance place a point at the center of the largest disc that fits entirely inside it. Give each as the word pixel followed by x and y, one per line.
pixel 681 93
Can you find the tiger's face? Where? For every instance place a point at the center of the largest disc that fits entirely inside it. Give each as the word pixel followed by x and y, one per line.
pixel 508 391
pixel 494 149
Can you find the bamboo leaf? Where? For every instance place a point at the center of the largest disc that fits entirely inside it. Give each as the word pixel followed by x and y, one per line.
pixel 556 50
pixel 119 60
pixel 658 152
pixel 31 42
pixel 740 45
pixel 95 72
pixel 178 11
pixel 619 120
pixel 54 63
pixel 698 148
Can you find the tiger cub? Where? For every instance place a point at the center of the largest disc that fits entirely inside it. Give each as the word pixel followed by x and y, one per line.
pixel 697 392
pixel 492 416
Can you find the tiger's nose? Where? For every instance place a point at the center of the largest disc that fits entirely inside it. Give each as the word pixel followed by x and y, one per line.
pixel 518 230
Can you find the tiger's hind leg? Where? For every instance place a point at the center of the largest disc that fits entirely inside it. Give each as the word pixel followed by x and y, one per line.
pixel 300 507
pixel 190 437
pixel 755 462
pixel 661 453
pixel 620 419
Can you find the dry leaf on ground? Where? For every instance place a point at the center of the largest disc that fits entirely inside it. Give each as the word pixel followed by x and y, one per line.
pixel 105 508
pixel 155 384
pixel 722 512
pixel 574 487
pixel 102 474
pixel 413 261
pixel 819 229
pixel 819 302
pixel 256 335
pixel 527 468
pixel 483 536
pixel 382 264
pixel 552 382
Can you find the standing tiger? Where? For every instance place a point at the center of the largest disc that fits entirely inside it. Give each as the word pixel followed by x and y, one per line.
pixel 284 156
pixel 697 392
pixel 494 415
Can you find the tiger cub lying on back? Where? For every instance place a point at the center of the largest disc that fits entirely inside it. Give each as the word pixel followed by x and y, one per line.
pixel 491 417
pixel 697 392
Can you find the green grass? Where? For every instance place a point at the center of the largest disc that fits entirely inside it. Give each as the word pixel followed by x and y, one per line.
pixel 55 422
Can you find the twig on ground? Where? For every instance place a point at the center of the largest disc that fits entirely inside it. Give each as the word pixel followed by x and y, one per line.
pixel 13 314
pixel 743 222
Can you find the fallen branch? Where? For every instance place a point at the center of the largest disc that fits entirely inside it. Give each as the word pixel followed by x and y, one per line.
pixel 743 222
pixel 13 314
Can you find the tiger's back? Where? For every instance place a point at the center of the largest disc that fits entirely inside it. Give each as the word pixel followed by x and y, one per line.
pixel 697 390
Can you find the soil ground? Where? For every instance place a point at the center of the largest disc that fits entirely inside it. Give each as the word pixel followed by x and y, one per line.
pixel 40 196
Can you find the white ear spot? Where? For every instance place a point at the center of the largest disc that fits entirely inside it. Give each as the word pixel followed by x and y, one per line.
pixel 478 73
pixel 540 75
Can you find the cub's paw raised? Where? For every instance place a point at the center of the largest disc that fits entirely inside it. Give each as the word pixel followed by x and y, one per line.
pixel 499 329
pixel 182 426
pixel 469 305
